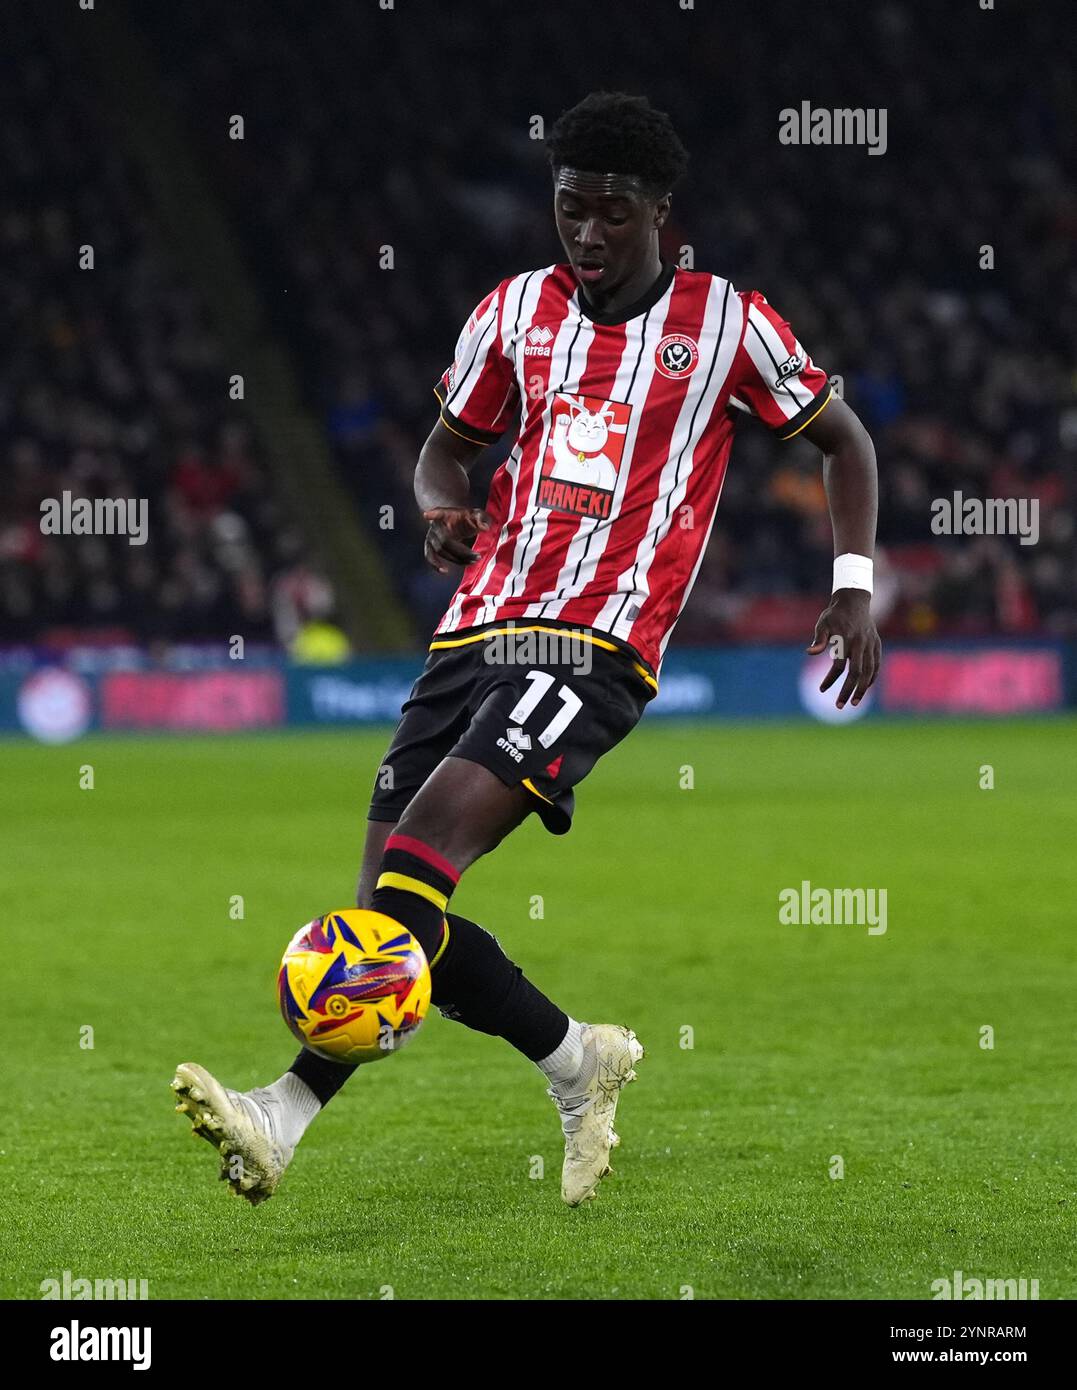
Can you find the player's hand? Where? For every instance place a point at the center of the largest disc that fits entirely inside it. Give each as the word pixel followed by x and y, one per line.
pixel 451 535
pixel 847 628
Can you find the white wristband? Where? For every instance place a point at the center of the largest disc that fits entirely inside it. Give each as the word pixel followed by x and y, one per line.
pixel 852 572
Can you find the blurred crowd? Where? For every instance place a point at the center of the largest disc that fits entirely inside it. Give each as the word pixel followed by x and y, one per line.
pixel 388 178
pixel 113 386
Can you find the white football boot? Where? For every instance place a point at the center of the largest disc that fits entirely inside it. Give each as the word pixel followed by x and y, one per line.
pixel 244 1129
pixel 587 1115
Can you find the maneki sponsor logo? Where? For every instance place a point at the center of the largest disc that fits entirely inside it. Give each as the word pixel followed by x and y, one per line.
pixel 583 455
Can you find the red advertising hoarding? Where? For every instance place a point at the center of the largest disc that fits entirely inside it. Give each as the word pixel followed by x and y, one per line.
pixel 977 682
pixel 215 701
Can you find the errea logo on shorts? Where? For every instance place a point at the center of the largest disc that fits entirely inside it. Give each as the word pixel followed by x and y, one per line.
pixel 538 343
pixel 515 743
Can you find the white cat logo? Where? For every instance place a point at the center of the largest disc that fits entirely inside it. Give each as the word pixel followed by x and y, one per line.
pixel 581 445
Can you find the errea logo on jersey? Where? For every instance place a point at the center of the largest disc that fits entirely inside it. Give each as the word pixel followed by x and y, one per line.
pixel 538 343
pixel 676 355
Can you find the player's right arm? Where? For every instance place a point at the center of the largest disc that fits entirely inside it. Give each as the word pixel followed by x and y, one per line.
pixel 479 398
pixel 443 492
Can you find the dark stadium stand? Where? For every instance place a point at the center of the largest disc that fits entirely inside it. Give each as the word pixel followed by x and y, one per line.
pixel 356 141
pixel 113 386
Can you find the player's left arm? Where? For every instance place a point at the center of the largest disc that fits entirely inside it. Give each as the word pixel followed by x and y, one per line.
pixel 851 480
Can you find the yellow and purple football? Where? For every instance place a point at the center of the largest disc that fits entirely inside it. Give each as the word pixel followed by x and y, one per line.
pixel 354 985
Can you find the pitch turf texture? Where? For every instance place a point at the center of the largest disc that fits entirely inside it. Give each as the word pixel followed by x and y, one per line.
pixel 660 909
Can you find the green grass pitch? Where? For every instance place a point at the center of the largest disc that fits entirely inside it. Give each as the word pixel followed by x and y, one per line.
pixel 660 909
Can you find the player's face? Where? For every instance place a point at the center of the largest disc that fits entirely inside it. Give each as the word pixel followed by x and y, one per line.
pixel 607 226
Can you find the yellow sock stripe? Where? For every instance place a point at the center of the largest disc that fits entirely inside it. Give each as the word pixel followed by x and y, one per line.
pixel 571 633
pixel 407 884
pixel 444 942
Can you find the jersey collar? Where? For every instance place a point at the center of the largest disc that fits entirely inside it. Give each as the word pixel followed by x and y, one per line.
pixel 630 311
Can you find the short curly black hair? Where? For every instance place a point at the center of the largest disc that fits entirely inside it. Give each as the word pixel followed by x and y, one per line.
pixel 614 133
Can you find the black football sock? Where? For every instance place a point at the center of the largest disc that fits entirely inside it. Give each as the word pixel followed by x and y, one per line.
pixel 414 886
pixel 324 1077
pixel 475 983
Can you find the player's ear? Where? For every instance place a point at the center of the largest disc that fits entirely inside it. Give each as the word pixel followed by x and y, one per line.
pixel 661 209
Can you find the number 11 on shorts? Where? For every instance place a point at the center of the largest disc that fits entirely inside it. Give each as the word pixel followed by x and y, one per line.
pixel 540 682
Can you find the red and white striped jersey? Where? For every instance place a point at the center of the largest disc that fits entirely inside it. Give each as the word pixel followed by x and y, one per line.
pixel 602 511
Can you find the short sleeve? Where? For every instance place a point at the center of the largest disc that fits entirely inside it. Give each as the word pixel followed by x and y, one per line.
pixel 773 377
pixel 478 393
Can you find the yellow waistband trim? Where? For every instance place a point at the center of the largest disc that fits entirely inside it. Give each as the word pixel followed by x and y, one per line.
pixel 557 631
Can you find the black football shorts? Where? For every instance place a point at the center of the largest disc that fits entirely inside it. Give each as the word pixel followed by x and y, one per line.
pixel 535 712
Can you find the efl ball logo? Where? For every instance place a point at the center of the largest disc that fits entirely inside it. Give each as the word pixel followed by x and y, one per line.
pixel 676 356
